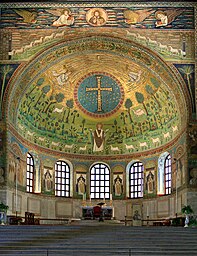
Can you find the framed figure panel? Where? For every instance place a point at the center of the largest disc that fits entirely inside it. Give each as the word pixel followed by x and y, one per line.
pixel 48 180
pixel 81 183
pixel 118 185
pixel 149 182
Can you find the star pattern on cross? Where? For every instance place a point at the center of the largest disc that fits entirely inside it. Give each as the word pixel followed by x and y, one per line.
pixel 99 89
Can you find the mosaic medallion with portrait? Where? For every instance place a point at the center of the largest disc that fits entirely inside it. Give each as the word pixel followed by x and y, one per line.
pixel 96 17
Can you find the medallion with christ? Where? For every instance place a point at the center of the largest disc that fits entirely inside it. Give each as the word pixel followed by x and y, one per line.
pixel 99 94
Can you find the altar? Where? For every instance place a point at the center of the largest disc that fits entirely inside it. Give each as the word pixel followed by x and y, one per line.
pixel 94 212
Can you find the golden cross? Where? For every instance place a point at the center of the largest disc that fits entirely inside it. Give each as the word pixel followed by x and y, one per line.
pixel 99 89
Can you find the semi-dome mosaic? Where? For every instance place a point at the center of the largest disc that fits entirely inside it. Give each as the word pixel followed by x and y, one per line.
pixel 97 96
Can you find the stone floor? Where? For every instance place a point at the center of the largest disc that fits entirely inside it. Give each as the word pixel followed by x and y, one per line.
pixel 85 238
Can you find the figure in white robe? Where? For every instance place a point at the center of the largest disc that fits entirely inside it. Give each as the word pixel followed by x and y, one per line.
pixel 99 138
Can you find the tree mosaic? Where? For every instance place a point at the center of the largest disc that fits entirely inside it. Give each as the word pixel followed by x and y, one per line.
pixel 48 119
pixel 96 96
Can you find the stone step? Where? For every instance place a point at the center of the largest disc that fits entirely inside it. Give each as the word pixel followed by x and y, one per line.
pixel 99 252
pixel 26 229
pixel 97 240
pixel 147 247
pixel 72 247
pixel 94 241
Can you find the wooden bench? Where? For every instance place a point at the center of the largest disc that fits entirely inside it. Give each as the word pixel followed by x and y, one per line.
pixel 14 220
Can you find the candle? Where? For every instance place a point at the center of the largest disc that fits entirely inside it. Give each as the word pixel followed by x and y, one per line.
pixel 111 197
pixel 147 213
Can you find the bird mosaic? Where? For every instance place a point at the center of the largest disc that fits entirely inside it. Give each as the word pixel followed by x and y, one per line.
pixel 77 17
pixel 28 17
pixel 133 17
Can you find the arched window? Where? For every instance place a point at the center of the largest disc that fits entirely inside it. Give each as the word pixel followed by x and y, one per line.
pixel 168 174
pixel 62 179
pixel 30 174
pixel 161 174
pixel 100 181
pixel 136 177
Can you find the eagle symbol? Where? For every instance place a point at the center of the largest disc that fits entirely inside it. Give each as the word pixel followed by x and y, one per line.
pixel 28 16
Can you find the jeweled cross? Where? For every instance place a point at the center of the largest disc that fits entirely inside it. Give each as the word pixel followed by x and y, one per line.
pixel 99 89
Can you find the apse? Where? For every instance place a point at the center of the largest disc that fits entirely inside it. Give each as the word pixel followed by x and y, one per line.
pixel 97 96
